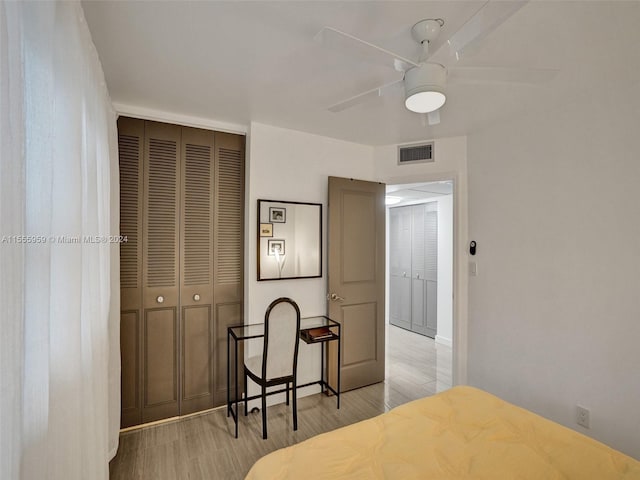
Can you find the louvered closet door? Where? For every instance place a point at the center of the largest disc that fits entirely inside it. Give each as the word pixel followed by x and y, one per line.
pixel 160 272
pixel 400 266
pixel 196 289
pixel 424 271
pixel 431 267
pixel 418 280
pixel 228 250
pixel 130 147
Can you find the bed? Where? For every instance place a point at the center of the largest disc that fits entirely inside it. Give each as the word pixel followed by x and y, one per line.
pixel 461 433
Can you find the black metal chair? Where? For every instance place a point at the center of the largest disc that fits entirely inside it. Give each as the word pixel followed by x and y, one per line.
pixel 278 363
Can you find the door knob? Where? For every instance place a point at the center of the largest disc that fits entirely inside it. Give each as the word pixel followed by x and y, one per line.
pixel 417 275
pixel 404 274
pixel 334 297
pixel 160 299
pixel 196 297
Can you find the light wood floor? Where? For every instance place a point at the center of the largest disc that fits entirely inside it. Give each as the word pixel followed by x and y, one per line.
pixel 203 446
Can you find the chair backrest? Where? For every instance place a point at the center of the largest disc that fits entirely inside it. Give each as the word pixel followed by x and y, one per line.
pixel 281 339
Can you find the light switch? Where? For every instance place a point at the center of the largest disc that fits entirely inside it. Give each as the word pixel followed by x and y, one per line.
pixel 473 269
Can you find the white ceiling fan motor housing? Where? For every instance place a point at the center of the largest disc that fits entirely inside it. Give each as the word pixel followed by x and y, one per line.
pixel 427 79
pixel 427 30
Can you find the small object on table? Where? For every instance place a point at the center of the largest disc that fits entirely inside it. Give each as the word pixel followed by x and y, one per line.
pixel 320 333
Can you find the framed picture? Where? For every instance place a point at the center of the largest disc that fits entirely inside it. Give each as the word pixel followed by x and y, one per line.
pixel 266 229
pixel 277 214
pixel 274 246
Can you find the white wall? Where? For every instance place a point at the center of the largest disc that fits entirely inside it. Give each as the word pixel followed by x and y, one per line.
pixel 285 164
pixel 554 313
pixel 445 270
pixel 450 164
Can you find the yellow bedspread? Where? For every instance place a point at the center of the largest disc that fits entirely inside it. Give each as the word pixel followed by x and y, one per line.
pixel 463 433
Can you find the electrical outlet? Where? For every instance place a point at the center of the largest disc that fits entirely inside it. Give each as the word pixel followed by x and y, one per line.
pixel 583 416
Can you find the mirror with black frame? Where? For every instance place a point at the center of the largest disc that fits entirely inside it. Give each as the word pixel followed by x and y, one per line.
pixel 289 240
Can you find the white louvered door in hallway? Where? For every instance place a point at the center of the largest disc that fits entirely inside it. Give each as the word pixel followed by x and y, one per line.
pixel 182 193
pixel 413 267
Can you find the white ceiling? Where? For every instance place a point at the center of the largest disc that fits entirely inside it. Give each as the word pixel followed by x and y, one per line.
pixel 240 61
pixel 418 192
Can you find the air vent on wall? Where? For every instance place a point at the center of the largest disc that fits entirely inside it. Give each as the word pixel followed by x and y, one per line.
pixel 416 153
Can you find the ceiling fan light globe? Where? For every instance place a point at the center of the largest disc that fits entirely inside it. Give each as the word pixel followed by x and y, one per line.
pixel 424 87
pixel 425 101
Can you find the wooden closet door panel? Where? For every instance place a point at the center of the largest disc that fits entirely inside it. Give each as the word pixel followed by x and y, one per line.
pixel 228 250
pixel 130 337
pixel 161 270
pixel 196 266
pixel 130 149
pixel 160 364
pixel 197 355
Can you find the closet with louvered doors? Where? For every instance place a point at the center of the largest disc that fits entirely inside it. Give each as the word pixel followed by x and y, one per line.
pixel 181 270
pixel 413 267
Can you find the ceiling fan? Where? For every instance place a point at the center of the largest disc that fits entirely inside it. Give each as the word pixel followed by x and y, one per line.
pixel 426 79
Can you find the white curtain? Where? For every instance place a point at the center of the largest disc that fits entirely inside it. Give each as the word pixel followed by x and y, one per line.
pixel 59 287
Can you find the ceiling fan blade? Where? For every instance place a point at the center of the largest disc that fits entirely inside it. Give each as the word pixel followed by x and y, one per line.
pixel 363 97
pixel 479 75
pixel 433 118
pixel 342 41
pixel 490 16
pixel 401 66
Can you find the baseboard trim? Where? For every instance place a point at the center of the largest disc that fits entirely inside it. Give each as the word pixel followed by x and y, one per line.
pixel 170 419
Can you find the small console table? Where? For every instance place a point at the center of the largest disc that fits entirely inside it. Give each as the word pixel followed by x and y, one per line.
pixel 308 325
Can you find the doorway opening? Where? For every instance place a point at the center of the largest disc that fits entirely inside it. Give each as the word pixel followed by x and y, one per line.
pixel 419 290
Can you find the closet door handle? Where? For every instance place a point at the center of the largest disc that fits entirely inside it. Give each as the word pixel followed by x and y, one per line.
pixel 418 276
pixel 404 274
pixel 196 297
pixel 160 299
pixel 334 297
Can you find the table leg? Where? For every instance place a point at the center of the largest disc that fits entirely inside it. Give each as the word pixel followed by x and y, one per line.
pixel 235 363
pixel 228 374
pixel 339 349
pixel 323 384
